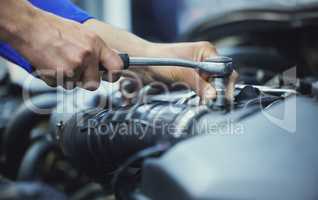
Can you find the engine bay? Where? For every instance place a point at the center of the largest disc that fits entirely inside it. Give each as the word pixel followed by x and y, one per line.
pixel 166 144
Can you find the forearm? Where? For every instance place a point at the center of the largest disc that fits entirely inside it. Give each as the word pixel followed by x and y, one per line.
pixel 16 16
pixel 122 40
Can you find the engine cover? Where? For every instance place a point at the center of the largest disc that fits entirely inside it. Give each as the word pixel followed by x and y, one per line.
pixel 265 161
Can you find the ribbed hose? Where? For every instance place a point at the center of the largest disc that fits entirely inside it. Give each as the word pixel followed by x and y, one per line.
pixel 98 141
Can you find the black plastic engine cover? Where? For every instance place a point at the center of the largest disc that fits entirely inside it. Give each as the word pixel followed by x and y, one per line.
pixel 271 158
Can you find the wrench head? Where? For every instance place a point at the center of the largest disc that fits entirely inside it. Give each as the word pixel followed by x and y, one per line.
pixel 219 66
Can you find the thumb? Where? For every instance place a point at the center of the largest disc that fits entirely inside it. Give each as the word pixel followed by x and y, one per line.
pixel 112 63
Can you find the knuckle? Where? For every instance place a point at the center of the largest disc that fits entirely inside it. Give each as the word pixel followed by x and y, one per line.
pixel 207 44
pixel 93 35
pixel 86 51
pixel 83 53
pixel 113 62
pixel 93 38
pixel 116 63
pixel 76 61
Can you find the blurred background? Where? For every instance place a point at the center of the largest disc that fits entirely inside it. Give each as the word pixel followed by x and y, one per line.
pixel 167 20
pixel 222 23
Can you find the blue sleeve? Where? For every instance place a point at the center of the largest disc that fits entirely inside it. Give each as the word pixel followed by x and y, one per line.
pixel 63 8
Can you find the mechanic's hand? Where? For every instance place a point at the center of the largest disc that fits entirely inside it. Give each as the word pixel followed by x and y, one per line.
pixel 64 53
pixel 199 82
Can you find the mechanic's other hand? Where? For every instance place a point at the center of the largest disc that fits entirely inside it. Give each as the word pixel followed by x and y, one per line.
pixel 197 81
pixel 64 53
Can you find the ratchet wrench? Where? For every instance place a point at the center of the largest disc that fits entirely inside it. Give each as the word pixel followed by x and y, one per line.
pixel 219 66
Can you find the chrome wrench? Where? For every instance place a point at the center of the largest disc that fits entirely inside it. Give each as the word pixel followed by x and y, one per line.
pixel 217 67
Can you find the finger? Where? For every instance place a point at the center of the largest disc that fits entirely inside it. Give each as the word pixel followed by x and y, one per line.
pixel 209 51
pixel 70 79
pixel 90 77
pixel 48 77
pixel 203 88
pixel 49 81
pixel 143 76
pixel 112 63
pixel 206 76
pixel 206 51
pixel 230 88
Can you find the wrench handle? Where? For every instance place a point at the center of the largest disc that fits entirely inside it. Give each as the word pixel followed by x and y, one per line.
pixel 125 59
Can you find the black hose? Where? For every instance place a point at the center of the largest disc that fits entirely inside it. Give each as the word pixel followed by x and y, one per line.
pixel 30 164
pixel 16 138
pixel 99 141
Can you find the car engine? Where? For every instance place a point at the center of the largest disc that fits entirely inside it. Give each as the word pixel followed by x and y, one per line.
pixel 166 145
